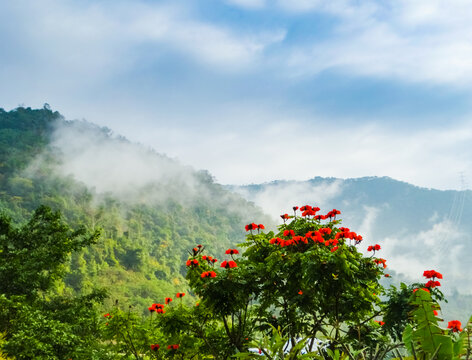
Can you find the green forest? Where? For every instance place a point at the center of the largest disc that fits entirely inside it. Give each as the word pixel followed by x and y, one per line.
pixel 87 274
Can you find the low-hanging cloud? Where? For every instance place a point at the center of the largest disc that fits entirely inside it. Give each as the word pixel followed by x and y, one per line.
pixel 278 198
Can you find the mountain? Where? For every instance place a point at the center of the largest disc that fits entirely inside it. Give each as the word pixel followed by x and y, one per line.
pixel 418 228
pixel 151 209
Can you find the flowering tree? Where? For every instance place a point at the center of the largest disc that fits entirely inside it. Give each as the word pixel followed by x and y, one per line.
pixel 304 291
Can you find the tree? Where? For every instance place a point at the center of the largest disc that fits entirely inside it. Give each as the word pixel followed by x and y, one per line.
pixel 36 321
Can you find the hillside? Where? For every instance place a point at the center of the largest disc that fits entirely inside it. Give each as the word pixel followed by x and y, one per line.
pixel 151 209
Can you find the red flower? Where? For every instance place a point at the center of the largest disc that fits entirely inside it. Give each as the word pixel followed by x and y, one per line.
pixel 107 315
pixel 151 309
pixel 180 295
pixel 173 347
pixel 168 300
pixel 251 227
pixel 305 208
pixel 260 226
pixel 334 249
pixel 208 274
pixel 381 261
pixel 155 347
pixel 214 260
pixel 228 264
pixel 192 262
pixel 285 217
pixel 300 292
pixel 379 322
pixel 431 274
pixel 432 284
pixel 232 252
pixel 373 247
pixel 435 313
pixel 289 233
pixel 387 275
pixel 454 325
pixel 295 208
pixel 325 231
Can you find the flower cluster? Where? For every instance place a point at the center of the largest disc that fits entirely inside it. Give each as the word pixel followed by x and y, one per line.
pixel 431 274
pixel 374 248
pixel 192 262
pixel 158 308
pixel 232 252
pixel 454 325
pixel 308 210
pixel 209 259
pixel 381 261
pixel 345 233
pixel 253 226
pixel 206 274
pixel 197 250
pixel 322 236
pixel 229 264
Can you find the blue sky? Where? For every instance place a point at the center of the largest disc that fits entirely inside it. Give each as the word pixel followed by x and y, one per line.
pixel 257 90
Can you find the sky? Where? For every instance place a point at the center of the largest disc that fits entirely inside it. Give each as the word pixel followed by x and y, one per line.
pixel 256 90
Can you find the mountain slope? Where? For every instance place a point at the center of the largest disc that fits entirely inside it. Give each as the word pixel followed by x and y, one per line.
pixel 151 208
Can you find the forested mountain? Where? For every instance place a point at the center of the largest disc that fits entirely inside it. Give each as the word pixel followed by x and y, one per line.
pixel 151 209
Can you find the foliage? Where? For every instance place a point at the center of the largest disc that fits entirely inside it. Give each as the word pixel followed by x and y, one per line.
pixel 37 323
pixel 424 338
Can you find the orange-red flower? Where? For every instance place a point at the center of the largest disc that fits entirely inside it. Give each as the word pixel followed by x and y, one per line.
pixel 168 300
pixel 228 264
pixel 289 233
pixel 208 274
pixel 107 315
pixel 381 262
pixel 232 251
pixel 251 226
pixel 173 347
pixel 192 262
pixel 285 217
pixel 155 347
pixel 431 274
pixel 180 295
pixel 454 325
pixel 432 284
pixel 260 226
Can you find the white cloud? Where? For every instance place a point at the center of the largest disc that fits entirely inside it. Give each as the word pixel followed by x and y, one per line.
pixel 415 41
pixel 275 146
pixel 103 39
pixel 279 198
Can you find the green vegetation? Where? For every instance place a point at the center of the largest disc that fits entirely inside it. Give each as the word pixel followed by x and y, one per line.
pixel 82 272
pixel 138 257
